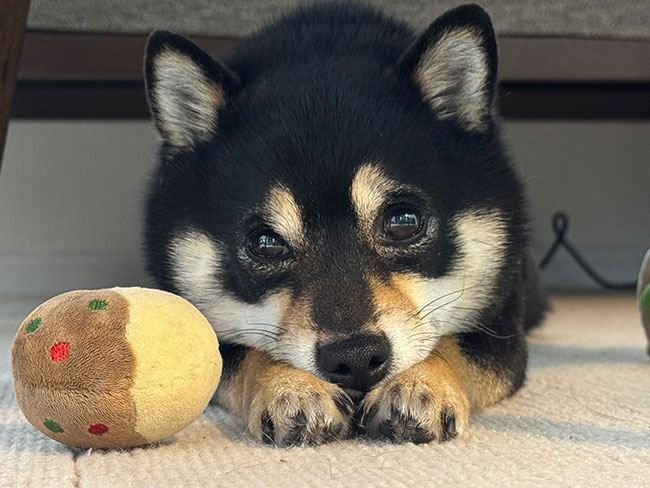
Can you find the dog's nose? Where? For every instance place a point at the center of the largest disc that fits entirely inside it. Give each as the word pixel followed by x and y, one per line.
pixel 356 363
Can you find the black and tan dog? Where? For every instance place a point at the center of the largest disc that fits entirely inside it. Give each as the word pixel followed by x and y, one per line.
pixel 336 199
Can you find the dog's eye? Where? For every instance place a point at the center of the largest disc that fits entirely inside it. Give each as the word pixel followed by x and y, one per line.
pixel 267 244
pixel 402 223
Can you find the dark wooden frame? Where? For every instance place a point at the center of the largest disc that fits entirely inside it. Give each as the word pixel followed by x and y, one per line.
pixel 13 18
pixel 84 75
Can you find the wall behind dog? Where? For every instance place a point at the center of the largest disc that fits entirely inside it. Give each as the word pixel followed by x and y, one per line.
pixel 71 195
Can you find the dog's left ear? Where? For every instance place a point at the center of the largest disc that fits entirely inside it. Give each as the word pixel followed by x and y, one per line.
pixel 454 65
pixel 187 89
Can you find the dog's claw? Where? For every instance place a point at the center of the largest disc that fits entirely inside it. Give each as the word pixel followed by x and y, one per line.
pixel 344 403
pixel 268 429
pixel 449 427
pixel 308 411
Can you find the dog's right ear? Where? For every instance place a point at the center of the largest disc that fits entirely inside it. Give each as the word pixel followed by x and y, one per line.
pixel 186 89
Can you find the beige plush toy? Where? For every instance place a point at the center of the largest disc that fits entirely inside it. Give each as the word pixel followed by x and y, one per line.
pixel 116 367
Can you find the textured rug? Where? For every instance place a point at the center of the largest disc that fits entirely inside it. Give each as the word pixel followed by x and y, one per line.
pixel 583 419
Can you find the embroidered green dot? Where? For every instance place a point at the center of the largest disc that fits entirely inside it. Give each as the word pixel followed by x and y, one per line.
pixel 53 426
pixel 33 326
pixel 98 305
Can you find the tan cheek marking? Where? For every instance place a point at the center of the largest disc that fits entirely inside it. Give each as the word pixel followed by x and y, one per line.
pixel 284 215
pixel 483 387
pixel 398 319
pixel 389 296
pixel 368 193
pixel 401 296
pixel 408 285
pixel 297 314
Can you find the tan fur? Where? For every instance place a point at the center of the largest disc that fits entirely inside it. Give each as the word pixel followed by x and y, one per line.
pixel 369 190
pixel 483 387
pixel 284 215
pixel 406 285
pixel 426 392
pixel 411 338
pixel 390 295
pixel 264 387
pixel 370 193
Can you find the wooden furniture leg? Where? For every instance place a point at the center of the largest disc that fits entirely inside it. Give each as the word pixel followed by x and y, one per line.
pixel 13 18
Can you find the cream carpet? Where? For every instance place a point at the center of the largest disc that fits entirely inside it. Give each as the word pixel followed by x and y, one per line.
pixel 583 419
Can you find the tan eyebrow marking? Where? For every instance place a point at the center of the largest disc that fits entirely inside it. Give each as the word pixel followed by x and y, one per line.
pixel 284 215
pixel 369 190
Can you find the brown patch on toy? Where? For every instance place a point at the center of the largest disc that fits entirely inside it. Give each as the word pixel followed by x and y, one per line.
pixel 73 370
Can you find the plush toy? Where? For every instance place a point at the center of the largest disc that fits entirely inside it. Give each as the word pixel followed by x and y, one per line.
pixel 116 367
pixel 643 295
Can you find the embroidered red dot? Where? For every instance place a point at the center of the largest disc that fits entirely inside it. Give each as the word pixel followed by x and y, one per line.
pixel 60 352
pixel 98 429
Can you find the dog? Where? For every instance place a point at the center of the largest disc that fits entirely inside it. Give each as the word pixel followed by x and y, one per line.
pixel 335 197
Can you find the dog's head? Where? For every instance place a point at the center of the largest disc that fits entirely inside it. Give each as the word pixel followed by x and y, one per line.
pixel 342 210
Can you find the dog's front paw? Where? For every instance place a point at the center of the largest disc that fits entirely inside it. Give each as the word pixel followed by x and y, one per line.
pixel 421 404
pixel 292 407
